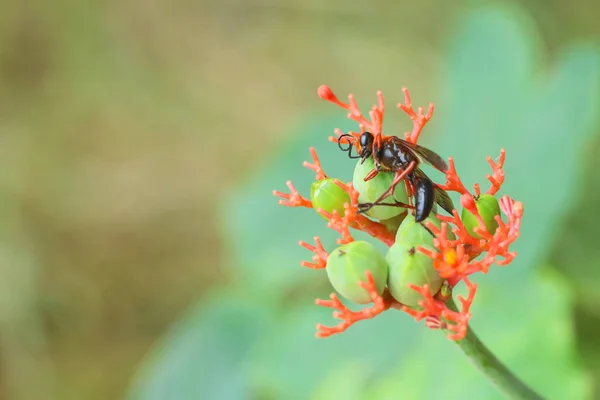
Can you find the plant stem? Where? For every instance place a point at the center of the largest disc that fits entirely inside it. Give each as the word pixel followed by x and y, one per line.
pixel 493 368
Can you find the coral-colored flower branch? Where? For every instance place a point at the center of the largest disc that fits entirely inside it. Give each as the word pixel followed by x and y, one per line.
pixel 320 257
pixel 315 165
pixel 375 125
pixel 338 224
pixel 439 316
pixel 349 317
pixel 376 113
pixel 454 183
pixel 497 177
pixel 419 119
pixel 455 259
pixel 293 199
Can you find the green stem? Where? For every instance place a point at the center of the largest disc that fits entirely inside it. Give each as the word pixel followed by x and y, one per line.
pixel 493 368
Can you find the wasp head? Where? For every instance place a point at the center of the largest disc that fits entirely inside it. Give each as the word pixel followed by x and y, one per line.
pixel 366 146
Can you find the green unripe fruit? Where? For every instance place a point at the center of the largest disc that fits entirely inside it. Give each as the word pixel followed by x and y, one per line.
pixel 374 188
pixel 347 266
pixel 407 266
pixel 393 224
pixel 488 208
pixel 412 233
pixel 325 194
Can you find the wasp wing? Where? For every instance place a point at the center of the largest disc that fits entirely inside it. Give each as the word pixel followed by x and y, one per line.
pixel 444 200
pixel 425 154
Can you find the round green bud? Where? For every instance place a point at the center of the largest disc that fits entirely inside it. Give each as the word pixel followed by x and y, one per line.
pixel 371 190
pixel 393 224
pixel 488 208
pixel 412 233
pixel 347 266
pixel 407 266
pixel 326 195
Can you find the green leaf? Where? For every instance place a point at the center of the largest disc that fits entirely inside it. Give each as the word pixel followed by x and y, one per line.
pixel 293 363
pixel 494 97
pixel 537 347
pixel 346 381
pixel 202 355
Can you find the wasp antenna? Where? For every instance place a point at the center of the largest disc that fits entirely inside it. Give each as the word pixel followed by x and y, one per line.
pixel 348 145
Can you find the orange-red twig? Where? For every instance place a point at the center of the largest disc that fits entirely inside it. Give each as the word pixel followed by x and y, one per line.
pixel 419 118
pixel 439 316
pixel 294 199
pixel 315 165
pixel 349 317
pixel 453 182
pixel 320 256
pixel 497 177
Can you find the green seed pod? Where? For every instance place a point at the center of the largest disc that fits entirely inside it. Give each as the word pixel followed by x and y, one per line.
pixel 372 189
pixel 393 224
pixel 325 194
pixel 347 266
pixel 413 233
pixel 488 208
pixel 407 266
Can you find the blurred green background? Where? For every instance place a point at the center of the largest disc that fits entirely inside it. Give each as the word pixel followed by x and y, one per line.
pixel 143 256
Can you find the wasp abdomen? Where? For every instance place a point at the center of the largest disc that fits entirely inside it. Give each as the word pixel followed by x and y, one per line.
pixel 424 198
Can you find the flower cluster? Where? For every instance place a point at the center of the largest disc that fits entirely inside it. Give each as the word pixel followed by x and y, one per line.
pixel 459 245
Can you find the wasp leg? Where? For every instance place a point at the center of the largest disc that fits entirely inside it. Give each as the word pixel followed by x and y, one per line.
pixel 364 207
pixel 397 179
pixel 427 229
pixel 372 174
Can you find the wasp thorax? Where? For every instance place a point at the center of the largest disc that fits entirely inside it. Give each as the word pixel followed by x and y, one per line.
pixel 347 266
pixel 393 157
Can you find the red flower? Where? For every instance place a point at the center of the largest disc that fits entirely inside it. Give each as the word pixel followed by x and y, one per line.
pixel 454 259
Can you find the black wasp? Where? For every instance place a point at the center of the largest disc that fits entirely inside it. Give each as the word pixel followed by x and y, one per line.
pixel 402 157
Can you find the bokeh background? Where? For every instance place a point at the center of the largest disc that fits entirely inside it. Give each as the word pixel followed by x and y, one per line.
pixel 143 256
